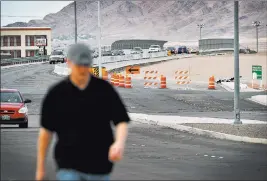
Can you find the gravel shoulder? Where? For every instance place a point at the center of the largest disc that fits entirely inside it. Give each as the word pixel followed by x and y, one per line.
pixel 251 130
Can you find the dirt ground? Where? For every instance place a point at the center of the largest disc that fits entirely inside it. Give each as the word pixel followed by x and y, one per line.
pixel 221 66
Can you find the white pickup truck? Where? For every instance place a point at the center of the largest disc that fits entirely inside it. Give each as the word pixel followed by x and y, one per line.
pixel 154 48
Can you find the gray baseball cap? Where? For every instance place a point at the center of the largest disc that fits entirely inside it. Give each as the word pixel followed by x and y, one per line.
pixel 80 54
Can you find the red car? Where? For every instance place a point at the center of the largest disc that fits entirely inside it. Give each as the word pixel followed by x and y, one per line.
pixel 13 108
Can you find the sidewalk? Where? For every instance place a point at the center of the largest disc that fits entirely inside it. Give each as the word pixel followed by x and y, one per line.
pixel 250 131
pixel 260 99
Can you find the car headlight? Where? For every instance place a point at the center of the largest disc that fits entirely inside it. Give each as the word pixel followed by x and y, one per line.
pixel 23 110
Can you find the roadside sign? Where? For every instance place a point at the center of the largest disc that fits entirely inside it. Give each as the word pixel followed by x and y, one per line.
pixel 257 72
pixel 40 42
pixel 132 70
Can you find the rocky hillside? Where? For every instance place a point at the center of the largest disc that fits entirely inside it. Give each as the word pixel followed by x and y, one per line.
pixel 161 19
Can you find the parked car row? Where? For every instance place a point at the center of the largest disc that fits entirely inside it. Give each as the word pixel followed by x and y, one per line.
pixel 179 50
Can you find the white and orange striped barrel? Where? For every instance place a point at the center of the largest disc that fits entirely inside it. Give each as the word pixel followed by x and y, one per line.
pixel 128 82
pixel 112 79
pixel 121 81
pixel 116 80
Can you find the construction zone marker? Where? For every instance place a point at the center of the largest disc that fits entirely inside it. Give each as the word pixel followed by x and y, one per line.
pixel 121 81
pixel 128 82
pixel 182 77
pixel 163 84
pixel 151 79
pixel 211 83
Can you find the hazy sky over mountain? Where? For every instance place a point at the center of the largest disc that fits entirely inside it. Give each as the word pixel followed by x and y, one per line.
pixel 14 11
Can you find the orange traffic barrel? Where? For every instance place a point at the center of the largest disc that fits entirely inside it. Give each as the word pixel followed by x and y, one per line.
pixel 121 81
pixel 163 84
pixel 105 75
pixel 128 82
pixel 112 79
pixel 211 83
pixel 116 80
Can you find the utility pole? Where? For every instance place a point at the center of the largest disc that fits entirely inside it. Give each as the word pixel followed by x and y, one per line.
pixel 236 65
pixel 75 21
pixel 257 24
pixel 200 27
pixel 99 43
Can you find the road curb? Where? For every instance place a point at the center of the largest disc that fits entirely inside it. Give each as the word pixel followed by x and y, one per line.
pixel 256 101
pixel 202 132
pixel 20 65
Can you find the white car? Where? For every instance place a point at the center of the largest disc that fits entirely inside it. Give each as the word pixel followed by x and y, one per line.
pixel 137 50
pixel 154 48
pixel 57 56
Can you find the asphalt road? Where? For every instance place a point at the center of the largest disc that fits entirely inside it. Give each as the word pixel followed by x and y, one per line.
pixel 152 152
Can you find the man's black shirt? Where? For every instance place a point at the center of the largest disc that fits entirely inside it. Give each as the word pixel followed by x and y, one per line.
pixel 82 121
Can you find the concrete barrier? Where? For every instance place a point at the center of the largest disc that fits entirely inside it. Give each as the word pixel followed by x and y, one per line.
pixel 120 64
pixel 119 61
pixel 127 57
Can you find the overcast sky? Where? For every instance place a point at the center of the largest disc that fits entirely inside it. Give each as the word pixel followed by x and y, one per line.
pixel 19 10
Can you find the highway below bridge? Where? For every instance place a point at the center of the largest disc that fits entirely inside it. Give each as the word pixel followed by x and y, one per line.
pixel 153 152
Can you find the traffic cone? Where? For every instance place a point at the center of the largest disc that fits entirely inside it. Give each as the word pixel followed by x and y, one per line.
pixel 163 84
pixel 121 81
pixel 128 82
pixel 211 83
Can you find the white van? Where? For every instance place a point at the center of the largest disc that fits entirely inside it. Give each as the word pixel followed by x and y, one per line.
pixel 154 48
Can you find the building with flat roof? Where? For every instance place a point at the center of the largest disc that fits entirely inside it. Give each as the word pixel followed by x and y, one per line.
pixel 130 44
pixel 216 45
pixel 21 41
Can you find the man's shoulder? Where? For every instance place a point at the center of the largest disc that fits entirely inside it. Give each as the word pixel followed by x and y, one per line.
pixel 57 87
pixel 100 83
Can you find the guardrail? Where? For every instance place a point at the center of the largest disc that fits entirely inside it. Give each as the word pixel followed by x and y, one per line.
pixel 15 61
pixel 104 59
pixel 62 69
pixel 145 55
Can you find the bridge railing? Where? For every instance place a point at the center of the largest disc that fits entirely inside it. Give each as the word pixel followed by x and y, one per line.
pixel 104 59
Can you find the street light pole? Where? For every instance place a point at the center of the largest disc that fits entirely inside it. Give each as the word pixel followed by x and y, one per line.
pixel 236 65
pixel 99 43
pixel 200 27
pixel 257 24
pixel 75 21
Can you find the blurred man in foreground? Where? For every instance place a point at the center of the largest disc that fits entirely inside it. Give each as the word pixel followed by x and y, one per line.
pixel 79 110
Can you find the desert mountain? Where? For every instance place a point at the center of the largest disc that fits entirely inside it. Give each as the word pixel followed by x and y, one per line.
pixel 155 19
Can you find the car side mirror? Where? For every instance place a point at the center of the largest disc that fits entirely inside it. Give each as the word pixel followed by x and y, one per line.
pixel 27 101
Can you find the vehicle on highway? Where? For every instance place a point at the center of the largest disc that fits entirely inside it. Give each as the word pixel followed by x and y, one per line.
pixel 13 108
pixel 57 56
pixel 117 52
pixel 136 50
pixel 154 48
pixel 95 54
pixel 193 50
pixel 172 49
pixel 182 49
pixel 106 53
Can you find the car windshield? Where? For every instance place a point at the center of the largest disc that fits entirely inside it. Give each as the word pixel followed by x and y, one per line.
pixel 10 97
pixel 57 53
pixel 154 46
pixel 170 48
pixel 136 48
